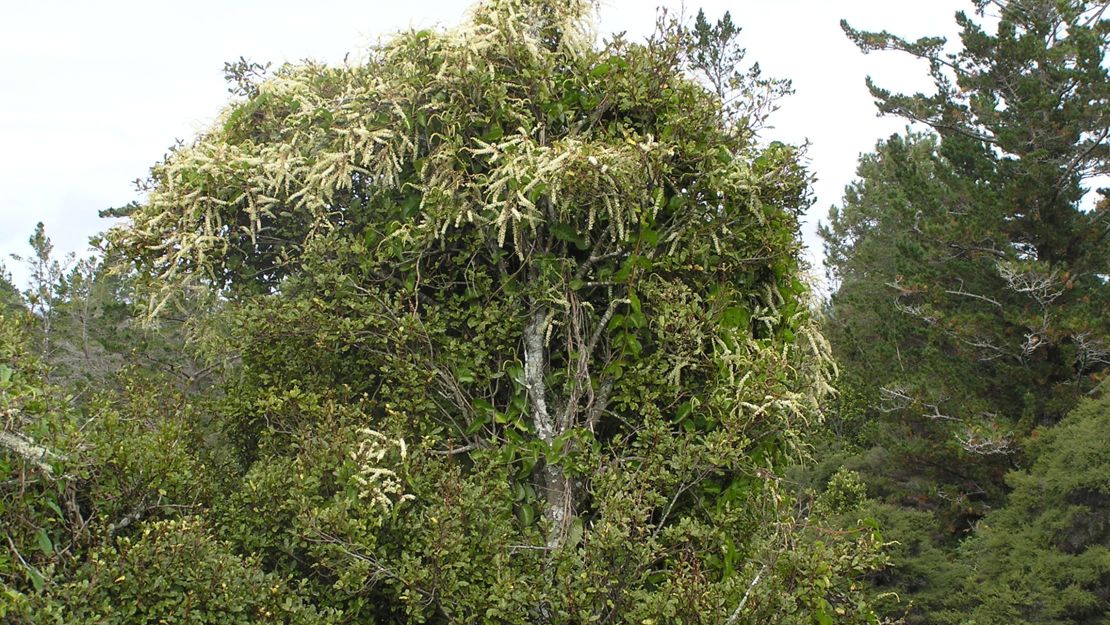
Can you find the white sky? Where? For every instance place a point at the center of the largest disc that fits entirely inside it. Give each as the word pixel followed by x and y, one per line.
pixel 92 93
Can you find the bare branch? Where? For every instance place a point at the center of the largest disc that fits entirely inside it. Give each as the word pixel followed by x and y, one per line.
pixel 454 451
pixel 1043 286
pixel 601 400
pixel 983 446
pixel 557 487
pixel 975 296
pixel 744 600
pixel 603 322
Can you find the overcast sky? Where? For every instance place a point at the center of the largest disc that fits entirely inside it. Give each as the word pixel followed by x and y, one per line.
pixel 92 93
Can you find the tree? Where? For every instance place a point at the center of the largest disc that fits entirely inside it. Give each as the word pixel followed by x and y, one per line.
pixel 88 325
pixel 924 396
pixel 81 463
pixel 46 271
pixel 975 247
pixel 1045 557
pixel 521 330
pixel 971 269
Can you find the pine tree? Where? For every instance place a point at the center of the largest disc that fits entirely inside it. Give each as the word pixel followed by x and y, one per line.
pixel 971 267
pixel 973 252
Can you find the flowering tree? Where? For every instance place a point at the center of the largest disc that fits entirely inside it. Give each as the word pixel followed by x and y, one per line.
pixel 521 329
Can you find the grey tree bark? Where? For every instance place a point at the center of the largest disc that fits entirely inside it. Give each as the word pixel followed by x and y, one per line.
pixel 558 495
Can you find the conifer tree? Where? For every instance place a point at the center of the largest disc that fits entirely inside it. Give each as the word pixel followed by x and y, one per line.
pixel 971 267
pixel 977 252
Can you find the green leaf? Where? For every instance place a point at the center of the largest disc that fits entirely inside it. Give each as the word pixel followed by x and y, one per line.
pixel 36 577
pixel 822 615
pixel 632 344
pixel 480 420
pixel 527 515
pixel 53 505
pixel 634 302
pixel 493 133
pixel 731 557
pixel 564 232
pixel 735 317
pixel 625 271
pixel 464 375
pixel 44 542
pixel 516 373
pixel 683 411
pixel 410 205
pixel 574 532
pixel 636 320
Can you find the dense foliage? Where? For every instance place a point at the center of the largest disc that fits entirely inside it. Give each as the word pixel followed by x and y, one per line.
pixel 504 327
pixel 971 263
pixel 1045 557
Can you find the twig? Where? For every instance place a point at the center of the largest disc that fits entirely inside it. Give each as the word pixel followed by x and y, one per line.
pixel 603 322
pixel 455 451
pixel 980 297
pixel 744 600
pixel 20 556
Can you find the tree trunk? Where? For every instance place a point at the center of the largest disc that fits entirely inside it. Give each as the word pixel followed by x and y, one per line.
pixel 557 488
